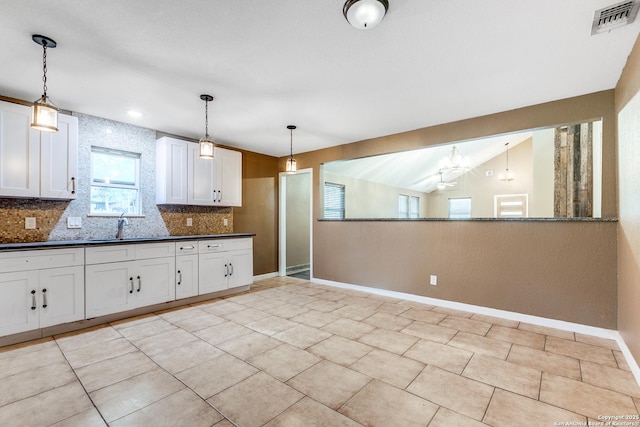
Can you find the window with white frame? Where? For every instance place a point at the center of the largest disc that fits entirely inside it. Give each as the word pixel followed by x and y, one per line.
pixel 408 206
pixel 403 206
pixel 414 207
pixel 334 204
pixel 115 182
pixel 460 207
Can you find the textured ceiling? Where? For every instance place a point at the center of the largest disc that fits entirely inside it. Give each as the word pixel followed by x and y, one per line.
pixel 274 63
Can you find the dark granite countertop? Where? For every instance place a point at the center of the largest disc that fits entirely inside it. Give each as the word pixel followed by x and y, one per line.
pixel 51 244
pixel 582 219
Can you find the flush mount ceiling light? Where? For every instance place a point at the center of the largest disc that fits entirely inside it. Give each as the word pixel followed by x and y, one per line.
pixel 44 114
pixel 206 144
pixel 291 166
pixel 454 162
pixel 365 14
pixel 507 175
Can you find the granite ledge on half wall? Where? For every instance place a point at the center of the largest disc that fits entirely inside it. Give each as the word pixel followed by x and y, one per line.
pixel 51 244
pixel 583 219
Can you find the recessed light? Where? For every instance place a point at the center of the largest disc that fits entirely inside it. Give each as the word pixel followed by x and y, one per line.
pixel 135 114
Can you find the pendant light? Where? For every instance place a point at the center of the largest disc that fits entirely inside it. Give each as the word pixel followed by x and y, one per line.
pixel 507 175
pixel 206 144
pixel 44 114
pixel 291 162
pixel 365 14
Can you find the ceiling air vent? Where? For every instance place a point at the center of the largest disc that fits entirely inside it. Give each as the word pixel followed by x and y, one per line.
pixel 614 16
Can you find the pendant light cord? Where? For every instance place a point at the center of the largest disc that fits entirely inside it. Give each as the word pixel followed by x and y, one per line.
pixel 44 69
pixel 507 144
pixel 206 119
pixel 291 146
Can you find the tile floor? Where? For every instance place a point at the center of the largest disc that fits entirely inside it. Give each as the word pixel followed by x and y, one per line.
pixel 293 353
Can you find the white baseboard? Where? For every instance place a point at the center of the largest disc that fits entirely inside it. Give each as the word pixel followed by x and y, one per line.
pixel 509 315
pixel 265 276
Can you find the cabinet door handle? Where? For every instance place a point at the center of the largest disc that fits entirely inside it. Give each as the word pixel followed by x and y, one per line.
pixel 226 270
pixel 219 195
pixel 33 300
pixel 231 265
pixel 139 283
pixel 44 298
pixel 179 277
pixel 187 247
pixel 131 282
pixel 73 185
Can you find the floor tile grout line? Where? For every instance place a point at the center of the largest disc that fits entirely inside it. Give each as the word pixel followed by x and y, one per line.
pixel 75 374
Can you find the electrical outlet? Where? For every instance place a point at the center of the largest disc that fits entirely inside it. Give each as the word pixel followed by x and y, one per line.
pixel 74 222
pixel 225 221
pixel 30 223
pixel 433 281
pixel 189 222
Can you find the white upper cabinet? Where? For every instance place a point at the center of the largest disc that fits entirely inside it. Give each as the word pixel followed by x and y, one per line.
pixel 171 171
pixel 19 152
pixel 37 164
pixel 230 166
pixel 183 178
pixel 204 176
pixel 59 160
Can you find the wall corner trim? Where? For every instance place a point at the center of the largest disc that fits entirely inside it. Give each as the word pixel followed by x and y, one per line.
pixel 633 365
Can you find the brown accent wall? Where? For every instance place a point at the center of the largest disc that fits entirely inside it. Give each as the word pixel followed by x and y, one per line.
pixel 628 106
pixel 259 213
pixel 558 270
pixel 540 268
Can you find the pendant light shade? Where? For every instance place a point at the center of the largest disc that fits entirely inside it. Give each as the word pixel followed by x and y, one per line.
pixel 365 14
pixel 291 166
pixel 507 175
pixel 44 114
pixel 206 144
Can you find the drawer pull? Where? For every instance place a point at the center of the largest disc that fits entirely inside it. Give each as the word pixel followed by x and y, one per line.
pixel 44 298
pixel 213 246
pixel 33 300
pixel 179 277
pixel 186 247
pixel 131 282
pixel 139 283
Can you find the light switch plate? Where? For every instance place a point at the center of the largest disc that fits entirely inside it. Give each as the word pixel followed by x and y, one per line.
pixel 189 222
pixel 225 221
pixel 30 223
pixel 433 280
pixel 74 222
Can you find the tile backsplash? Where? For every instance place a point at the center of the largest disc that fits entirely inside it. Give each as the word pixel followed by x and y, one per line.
pixel 51 216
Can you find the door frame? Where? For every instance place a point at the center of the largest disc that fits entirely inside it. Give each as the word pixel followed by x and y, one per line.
pixel 282 224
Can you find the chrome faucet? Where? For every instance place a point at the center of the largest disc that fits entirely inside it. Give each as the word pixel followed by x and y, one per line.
pixel 122 221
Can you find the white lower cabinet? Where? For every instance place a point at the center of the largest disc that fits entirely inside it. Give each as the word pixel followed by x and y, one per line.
pixel 61 295
pixel 224 264
pixel 186 269
pixel 49 292
pixel 126 284
pixel 47 287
